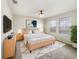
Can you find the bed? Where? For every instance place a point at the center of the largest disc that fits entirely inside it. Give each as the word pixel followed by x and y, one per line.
pixel 37 40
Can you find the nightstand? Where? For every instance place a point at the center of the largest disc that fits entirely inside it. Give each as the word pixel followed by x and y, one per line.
pixel 19 36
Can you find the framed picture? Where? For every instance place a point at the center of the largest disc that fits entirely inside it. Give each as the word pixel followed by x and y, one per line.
pixel 31 23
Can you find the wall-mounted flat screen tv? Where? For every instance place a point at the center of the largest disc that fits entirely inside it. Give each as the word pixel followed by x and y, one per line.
pixel 7 24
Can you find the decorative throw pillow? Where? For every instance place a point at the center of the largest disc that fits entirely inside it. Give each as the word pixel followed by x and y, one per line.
pixel 29 31
pixel 25 39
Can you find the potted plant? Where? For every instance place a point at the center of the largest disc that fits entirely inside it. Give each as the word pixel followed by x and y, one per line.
pixel 74 36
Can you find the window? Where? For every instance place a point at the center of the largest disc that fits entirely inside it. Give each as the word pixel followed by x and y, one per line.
pixel 64 25
pixel 53 25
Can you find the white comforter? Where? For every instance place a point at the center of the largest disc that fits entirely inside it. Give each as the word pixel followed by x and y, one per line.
pixel 38 37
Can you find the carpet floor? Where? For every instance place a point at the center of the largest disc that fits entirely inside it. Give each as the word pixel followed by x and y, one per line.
pixel 58 51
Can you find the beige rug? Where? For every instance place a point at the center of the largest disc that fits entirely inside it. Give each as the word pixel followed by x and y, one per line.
pixel 42 53
pixel 56 54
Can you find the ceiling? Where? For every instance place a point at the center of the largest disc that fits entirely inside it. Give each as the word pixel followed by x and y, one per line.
pixel 50 7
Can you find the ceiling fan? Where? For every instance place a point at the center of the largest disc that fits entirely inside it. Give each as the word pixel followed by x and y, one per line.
pixel 14 1
pixel 41 14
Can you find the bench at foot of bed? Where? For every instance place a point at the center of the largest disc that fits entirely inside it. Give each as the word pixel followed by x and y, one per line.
pixel 30 51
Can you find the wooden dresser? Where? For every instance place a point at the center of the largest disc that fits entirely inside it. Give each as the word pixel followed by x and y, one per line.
pixel 9 48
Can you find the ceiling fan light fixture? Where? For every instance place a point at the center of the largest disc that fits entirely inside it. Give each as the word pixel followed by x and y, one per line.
pixel 41 13
pixel 14 1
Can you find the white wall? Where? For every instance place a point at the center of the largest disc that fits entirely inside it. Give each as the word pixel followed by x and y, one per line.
pixel 20 22
pixel 5 11
pixel 66 39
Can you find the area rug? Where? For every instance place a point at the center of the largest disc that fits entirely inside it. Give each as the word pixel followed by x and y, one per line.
pixel 56 54
pixel 48 52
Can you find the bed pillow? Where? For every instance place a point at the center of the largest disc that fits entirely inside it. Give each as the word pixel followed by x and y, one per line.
pixel 25 39
pixel 35 31
pixel 29 31
pixel 24 30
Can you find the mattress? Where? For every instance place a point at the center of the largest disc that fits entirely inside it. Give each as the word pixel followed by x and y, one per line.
pixel 38 37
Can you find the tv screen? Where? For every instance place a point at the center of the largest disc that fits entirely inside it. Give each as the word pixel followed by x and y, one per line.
pixel 7 24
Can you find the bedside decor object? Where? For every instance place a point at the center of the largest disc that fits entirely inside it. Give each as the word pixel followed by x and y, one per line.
pixel 10 36
pixel 19 31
